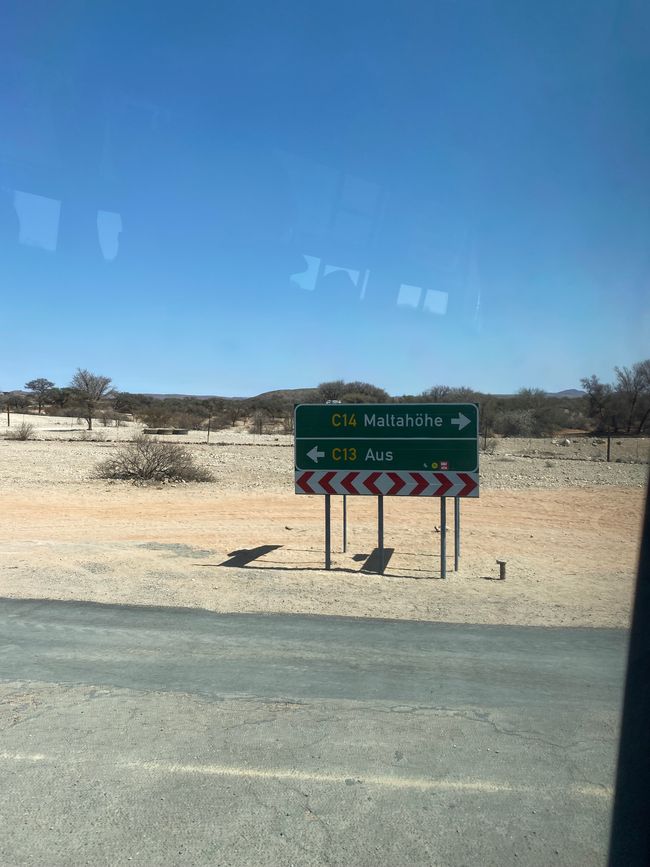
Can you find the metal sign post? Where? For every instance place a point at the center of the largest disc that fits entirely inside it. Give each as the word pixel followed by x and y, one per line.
pixel 345 523
pixel 380 532
pixel 443 537
pixel 328 538
pixel 456 532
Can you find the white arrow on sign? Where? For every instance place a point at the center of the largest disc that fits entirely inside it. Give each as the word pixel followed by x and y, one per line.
pixel 314 454
pixel 461 421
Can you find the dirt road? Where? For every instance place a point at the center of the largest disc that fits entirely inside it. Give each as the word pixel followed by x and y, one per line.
pixel 571 554
pixel 568 529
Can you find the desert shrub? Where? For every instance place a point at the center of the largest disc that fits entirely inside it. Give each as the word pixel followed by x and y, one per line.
pixel 331 390
pixel 259 422
pixel 110 418
pixel 218 421
pixel 156 416
pixel 515 423
pixel 24 431
pixel 151 460
pixel 352 392
pixel 577 420
pixel 188 420
pixel 356 397
pixel 106 417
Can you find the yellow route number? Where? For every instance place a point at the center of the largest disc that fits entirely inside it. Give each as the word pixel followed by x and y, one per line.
pixel 344 454
pixel 344 419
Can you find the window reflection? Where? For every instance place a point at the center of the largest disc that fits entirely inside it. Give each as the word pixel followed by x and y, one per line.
pixel 38 218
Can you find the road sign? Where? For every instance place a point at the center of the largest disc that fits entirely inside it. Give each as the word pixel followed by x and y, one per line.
pixel 428 450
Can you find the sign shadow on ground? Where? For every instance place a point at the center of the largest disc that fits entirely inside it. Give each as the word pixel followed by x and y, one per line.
pixel 247 555
pixel 375 562
pixel 371 563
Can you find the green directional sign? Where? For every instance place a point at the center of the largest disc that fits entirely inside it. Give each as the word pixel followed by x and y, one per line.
pixel 411 437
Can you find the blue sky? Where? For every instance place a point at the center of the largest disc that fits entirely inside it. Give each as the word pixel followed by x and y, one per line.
pixel 225 198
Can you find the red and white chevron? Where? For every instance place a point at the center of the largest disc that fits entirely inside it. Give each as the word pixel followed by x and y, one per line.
pixel 394 484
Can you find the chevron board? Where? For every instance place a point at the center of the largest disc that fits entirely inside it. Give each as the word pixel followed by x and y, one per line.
pixel 393 484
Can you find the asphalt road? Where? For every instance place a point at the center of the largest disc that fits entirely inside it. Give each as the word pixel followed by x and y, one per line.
pixel 179 737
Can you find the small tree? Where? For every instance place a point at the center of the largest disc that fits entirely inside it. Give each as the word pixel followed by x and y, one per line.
pixel 288 419
pixel 234 410
pixel 437 394
pixel 40 389
pixel 546 412
pixel 60 397
pixel 488 409
pixel 258 422
pixel 17 401
pixel 632 387
pixel 356 397
pixel 157 415
pixel 624 405
pixel 371 393
pixel 4 407
pixel 448 394
pixel 599 401
pixel 643 369
pixel 14 401
pixel 90 389
pixel 332 390
pixel 125 402
pixel 515 423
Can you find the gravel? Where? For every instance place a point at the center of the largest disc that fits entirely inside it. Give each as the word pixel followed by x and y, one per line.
pixel 245 462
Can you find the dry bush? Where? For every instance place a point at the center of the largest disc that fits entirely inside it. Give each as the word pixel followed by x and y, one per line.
pixel 24 431
pixel 515 423
pixel 218 421
pixel 110 418
pixel 188 420
pixel 150 460
pixel 259 422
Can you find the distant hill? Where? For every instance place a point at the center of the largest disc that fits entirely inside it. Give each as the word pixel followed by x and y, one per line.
pixel 296 395
pixel 568 392
pixel 158 396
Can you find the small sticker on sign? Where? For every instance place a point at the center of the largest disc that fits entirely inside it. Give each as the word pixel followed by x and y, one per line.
pixel 444 465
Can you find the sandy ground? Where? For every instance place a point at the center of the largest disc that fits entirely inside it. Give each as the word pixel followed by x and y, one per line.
pixel 569 533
